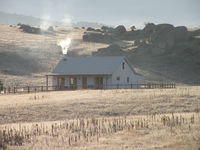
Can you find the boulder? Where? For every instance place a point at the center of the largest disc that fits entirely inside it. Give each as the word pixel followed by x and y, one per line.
pixel 148 30
pixel 181 34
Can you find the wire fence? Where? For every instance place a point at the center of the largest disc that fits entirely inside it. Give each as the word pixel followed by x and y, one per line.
pixel 31 89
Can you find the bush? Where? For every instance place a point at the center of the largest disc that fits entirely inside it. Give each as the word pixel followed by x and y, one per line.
pixel 29 29
pixel 51 28
pixel 90 29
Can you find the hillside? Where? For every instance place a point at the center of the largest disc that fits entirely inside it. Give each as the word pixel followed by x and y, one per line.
pixel 159 53
pixel 25 57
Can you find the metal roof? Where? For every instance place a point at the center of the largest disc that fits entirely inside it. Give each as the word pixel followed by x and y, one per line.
pixel 105 65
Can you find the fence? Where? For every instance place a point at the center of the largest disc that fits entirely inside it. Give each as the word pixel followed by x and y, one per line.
pixel 31 89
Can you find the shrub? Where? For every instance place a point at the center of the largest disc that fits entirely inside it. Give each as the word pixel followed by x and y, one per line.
pixel 3 145
pixel 90 29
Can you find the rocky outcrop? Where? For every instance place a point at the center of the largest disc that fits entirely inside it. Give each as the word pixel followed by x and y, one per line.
pixel 164 36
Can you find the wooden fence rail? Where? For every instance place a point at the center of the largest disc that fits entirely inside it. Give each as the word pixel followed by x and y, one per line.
pixel 31 89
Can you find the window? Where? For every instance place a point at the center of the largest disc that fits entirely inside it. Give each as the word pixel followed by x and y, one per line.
pixel 123 65
pixel 118 78
pixel 127 79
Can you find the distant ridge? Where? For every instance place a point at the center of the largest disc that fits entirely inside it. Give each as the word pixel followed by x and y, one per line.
pixel 14 19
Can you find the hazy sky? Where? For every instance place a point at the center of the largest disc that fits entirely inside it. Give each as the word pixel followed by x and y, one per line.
pixel 112 12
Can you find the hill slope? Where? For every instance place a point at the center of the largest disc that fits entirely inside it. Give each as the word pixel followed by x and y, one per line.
pixel 25 57
pixel 159 53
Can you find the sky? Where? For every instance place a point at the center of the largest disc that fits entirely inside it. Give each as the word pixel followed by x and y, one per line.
pixel 110 12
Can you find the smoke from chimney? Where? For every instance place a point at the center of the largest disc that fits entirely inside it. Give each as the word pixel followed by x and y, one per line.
pixel 64 44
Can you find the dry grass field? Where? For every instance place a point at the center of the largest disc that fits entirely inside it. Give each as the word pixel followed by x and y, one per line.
pixel 156 119
pixel 25 57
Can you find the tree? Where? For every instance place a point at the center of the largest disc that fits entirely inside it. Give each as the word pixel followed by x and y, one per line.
pixel 105 28
pixel 133 28
pixel 51 28
pixel 120 29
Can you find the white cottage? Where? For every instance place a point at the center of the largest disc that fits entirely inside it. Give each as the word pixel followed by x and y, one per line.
pixel 93 72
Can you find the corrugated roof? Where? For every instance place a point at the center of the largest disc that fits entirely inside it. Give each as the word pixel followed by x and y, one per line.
pixel 88 65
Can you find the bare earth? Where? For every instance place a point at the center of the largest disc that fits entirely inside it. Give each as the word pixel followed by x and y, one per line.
pixel 164 119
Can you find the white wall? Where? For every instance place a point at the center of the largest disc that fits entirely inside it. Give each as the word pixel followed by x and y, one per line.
pixel 123 74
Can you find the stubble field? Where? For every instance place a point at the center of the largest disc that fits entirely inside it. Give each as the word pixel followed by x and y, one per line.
pixel 102 119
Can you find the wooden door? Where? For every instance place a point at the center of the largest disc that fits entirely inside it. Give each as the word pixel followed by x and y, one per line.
pixel 99 82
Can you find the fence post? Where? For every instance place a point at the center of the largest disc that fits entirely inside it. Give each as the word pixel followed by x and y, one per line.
pixel 47 83
pixel 42 88
pixel 28 89
pixel 14 89
pixel 9 90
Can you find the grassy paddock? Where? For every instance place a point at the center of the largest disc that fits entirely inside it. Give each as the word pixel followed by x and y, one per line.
pixel 51 106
